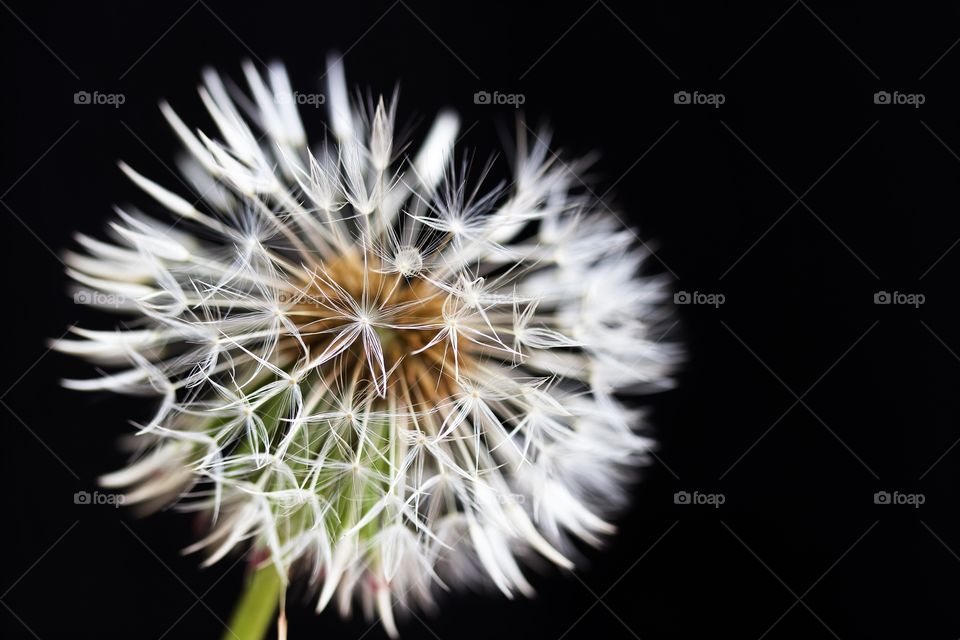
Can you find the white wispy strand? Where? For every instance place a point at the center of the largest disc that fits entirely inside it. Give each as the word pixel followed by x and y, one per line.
pixel 370 371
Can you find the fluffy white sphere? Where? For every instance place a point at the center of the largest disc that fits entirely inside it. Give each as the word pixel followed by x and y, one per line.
pixel 371 371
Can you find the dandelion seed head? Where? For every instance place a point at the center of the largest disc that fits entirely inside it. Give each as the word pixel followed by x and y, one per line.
pixel 373 369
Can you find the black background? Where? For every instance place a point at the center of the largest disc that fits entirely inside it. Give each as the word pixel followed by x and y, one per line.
pixel 798 199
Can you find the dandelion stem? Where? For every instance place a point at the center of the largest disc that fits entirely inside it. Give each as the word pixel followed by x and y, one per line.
pixel 252 616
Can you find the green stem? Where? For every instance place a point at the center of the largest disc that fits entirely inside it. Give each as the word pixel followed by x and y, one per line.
pixel 255 611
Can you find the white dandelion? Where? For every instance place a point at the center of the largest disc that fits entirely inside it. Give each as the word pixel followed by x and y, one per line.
pixel 375 374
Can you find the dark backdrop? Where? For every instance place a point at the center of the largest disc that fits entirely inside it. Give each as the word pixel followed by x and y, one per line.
pixel 798 199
